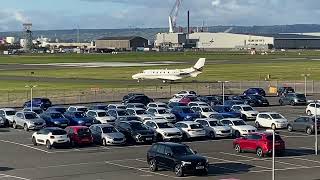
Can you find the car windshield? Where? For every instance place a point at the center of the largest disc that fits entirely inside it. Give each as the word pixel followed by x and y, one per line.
pixel 215 123
pixel 59 132
pixel 62 110
pixel 109 130
pixel 83 132
pixel 123 113
pixel 138 126
pixel 82 109
pixel 164 125
pixel 239 123
pixel 207 109
pixel 162 105
pixel 227 109
pixel 259 97
pixel 196 126
pixel 248 108
pixel 79 115
pixel 102 114
pixel 56 115
pixel 139 112
pixel 300 96
pixel 276 116
pixel 186 110
pixel 38 111
pixel 216 116
pixel 162 111
pixel 277 137
pixel 31 116
pixel 10 113
pixel 181 151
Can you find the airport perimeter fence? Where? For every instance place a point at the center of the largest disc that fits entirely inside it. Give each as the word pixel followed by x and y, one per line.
pixel 15 98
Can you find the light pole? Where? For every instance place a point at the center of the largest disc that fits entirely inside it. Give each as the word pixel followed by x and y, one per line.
pixel 305 82
pixel 273 154
pixel 316 128
pixel 223 83
pixel 31 93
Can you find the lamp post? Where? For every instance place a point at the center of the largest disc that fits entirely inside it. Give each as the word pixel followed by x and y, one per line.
pixel 316 129
pixel 273 154
pixel 305 82
pixel 223 83
pixel 31 93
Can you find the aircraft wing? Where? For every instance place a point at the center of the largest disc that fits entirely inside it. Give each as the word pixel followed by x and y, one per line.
pixel 170 78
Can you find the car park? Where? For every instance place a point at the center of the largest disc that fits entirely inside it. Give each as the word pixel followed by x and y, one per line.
pixel 55 119
pixel 312 109
pixel 162 112
pixel 293 99
pixel 51 137
pixel 165 130
pixel 107 134
pixel 238 126
pixel 214 129
pixel 60 109
pixel 135 105
pixel 271 120
pixel 226 111
pixel 184 113
pixel 191 129
pixel 100 116
pixel 77 108
pixel 304 124
pixel 143 99
pixel 247 112
pixel 116 106
pixel 118 113
pixel 254 91
pixel 43 103
pixel 78 118
pixel 79 135
pixel 157 105
pixel 136 132
pixel 260 101
pixel 204 111
pixel 28 121
pixel 284 90
pixel 99 107
pixel 260 143
pixel 8 114
pixel 177 157
pixel 34 109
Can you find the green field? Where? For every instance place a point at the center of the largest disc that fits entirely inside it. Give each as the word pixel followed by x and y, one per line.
pixel 232 66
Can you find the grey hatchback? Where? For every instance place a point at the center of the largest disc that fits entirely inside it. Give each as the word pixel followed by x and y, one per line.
pixel 304 124
pixel 293 99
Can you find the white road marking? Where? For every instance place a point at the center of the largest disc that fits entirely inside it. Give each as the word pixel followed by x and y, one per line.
pixel 286 169
pixel 11 176
pixel 262 167
pixel 27 146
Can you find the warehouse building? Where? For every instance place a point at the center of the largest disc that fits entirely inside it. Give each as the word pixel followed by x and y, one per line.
pixel 130 43
pixel 293 41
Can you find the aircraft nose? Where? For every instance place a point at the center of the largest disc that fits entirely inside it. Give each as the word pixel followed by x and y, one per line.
pixel 136 76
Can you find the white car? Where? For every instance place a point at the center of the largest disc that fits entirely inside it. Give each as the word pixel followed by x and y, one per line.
pixel 197 103
pixel 101 116
pixel 247 112
pixel 271 120
pixel 28 120
pixel 214 128
pixel 185 93
pixel 140 113
pixel 8 114
pixel 238 126
pixel 165 130
pixel 117 106
pixel 77 108
pixel 311 110
pixel 162 112
pixel 191 129
pixel 157 105
pixel 205 111
pixel 51 137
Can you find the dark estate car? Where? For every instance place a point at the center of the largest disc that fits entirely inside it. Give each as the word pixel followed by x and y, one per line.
pixel 136 132
pixel 59 109
pixel 284 90
pixel 255 91
pixel 259 100
pixel 293 99
pixel 138 99
pixel 78 118
pixel 211 100
pixel 177 157
pixel 43 103
pixel 304 124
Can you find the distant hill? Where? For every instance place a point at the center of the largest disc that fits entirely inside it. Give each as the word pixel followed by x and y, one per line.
pixel 149 33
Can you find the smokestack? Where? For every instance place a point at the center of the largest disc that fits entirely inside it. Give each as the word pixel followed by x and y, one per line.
pixel 188 31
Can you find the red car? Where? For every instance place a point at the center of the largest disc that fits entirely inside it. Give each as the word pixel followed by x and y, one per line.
pixel 79 135
pixel 260 143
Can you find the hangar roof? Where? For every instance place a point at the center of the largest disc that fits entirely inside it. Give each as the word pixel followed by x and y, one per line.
pixel 120 38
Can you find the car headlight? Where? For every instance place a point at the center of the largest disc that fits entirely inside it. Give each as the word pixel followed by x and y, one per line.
pixel 56 122
pixel 183 163
pixel 138 136
pixel 31 122
pixel 80 122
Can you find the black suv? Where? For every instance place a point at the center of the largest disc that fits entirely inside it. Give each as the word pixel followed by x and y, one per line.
pixel 136 132
pixel 177 157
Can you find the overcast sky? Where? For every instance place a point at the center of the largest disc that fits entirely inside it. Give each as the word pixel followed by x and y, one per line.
pixel 109 14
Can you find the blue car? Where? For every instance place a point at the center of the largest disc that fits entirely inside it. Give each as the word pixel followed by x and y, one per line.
pixel 78 118
pixel 59 109
pixel 55 119
pixel 43 103
pixel 254 91
pixel 226 111
pixel 184 113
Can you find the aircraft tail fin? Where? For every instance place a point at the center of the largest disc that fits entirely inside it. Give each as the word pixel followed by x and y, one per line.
pixel 200 64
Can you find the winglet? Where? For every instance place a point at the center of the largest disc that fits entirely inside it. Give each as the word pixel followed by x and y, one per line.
pixel 200 64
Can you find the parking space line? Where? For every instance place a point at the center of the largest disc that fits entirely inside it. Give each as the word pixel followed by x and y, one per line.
pixel 27 146
pixel 262 167
pixel 285 169
pixel 11 176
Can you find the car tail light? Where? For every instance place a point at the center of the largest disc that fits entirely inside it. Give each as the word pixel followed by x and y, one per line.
pixel 51 137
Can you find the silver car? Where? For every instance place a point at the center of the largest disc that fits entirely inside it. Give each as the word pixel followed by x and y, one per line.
pixel 107 134
pixel 7 114
pixel 28 120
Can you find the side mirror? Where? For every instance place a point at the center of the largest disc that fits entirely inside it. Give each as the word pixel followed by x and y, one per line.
pixel 195 152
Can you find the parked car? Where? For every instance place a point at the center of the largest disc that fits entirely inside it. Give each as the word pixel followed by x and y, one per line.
pixel 79 135
pixel 165 130
pixel 157 105
pixel 51 137
pixel 107 134
pixel 214 129
pixel 260 143
pixel 184 113
pixel 211 100
pixel 259 100
pixel 78 118
pixel 55 119
pixel 118 113
pixel 246 100
pixel 43 103
pixel 247 112
pixel 99 107
pixel 284 90
pixel 186 93
pixel 136 132
pixel 230 103
pixel 238 126
pixel 140 113
pixel 34 109
pixel 293 99
pixel 162 112
pixel 143 99
pixel 136 105
pixel 177 157
pixel 312 108
pixel 8 114
pixel 28 120
pixel 254 91
pixel 77 108
pixel 101 116
pixel 174 104
pixel 216 116
pixel 226 111
pixel 60 109
pixel 304 124
pixel 205 111
pixel 191 129
pixel 131 95
pixel 197 103
pixel 185 100
pixel 271 120
pixel 116 106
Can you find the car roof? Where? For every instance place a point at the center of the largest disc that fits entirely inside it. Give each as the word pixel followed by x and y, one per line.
pixel 188 122
pixel 269 113
pixel 157 103
pixel 53 128
pixel 75 112
pixel 57 107
pixel 52 112
pixel 136 109
pixel 116 105
pixel 129 122
pixel 157 120
pixel 135 104
pixel 157 108
pixel 207 119
pixel 242 105
pixel 103 125
pixel 231 119
pixel 8 109
pixel 170 144
pixel 78 106
pixel 78 127
pixel 97 110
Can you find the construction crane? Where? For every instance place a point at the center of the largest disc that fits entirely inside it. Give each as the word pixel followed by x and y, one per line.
pixel 173 16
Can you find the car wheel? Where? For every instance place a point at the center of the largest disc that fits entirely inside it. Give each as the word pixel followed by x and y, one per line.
pixel 237 134
pixel 25 127
pixel 259 152
pixel 273 126
pixel 14 125
pixel 309 131
pixel 48 144
pixel 290 128
pixel 292 103
pixel 257 124
pixel 212 135
pixel 34 141
pixel 309 113
pixel 281 102
pixel 104 142
pixel 153 165
pixel 159 138
pixel 237 148
pixel 178 170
